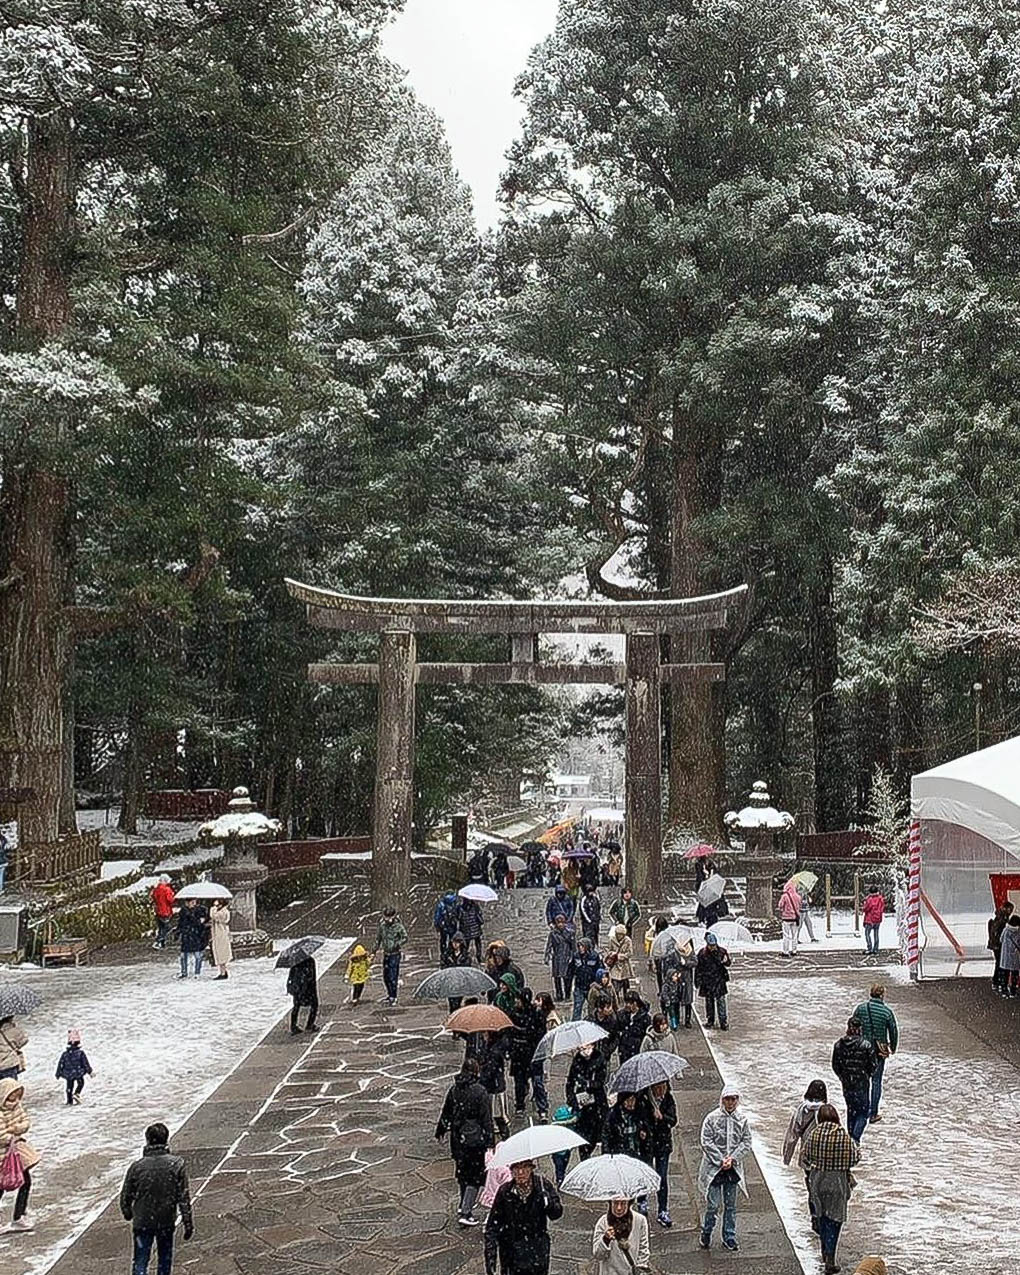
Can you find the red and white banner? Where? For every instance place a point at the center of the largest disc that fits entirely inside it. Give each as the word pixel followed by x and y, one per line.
pixel 913 893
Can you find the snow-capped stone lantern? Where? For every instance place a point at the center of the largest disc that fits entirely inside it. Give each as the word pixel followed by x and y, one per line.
pixel 759 825
pixel 241 830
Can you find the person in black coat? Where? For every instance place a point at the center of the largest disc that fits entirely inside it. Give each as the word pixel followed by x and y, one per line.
pixel 661 1116
pixel 586 1094
pixel 492 1073
pixel 469 922
pixel 589 914
pixel 467 1117
pixel 302 984
pixel 456 954
pixel 517 1228
pixel 634 1020
pixel 155 1190
pixel 478 868
pixel 626 1130
pixel 193 930
pixel 854 1060
pixel 498 963
pixel 611 1022
pixel 711 977
pixel 500 867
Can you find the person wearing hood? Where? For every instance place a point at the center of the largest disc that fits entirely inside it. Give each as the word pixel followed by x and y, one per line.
pixel 498 963
pixel 801 1123
pixel 559 954
pixel 659 1036
pixel 725 1143
pixel 589 913
pixel 619 1244
pixel 586 1096
pixel 790 907
pixel 445 921
pixel 854 1061
pixel 626 911
pixel 391 937
pixel 602 992
pixel 517 1228
pixel 357 972
pixel 677 993
pixel 73 1066
pixel 711 978
pixel 634 1024
pixel 619 954
pixel 14 1124
pixel 13 1039
pixel 586 965
pixel 507 992
pixel 470 924
pixel 467 1117
pixel 163 908
pixel 155 1190
pixel 829 1155
pixel 561 904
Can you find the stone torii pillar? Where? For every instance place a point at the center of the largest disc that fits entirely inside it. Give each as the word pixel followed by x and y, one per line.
pixel 393 808
pixel 643 831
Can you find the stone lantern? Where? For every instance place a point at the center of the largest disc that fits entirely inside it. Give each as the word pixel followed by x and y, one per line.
pixel 241 830
pixel 759 825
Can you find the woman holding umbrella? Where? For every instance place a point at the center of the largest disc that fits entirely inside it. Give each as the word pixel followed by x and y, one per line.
pixel 457 954
pixel 302 981
pixel 619 1244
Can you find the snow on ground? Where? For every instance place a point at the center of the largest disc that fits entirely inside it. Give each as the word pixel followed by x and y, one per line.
pixel 151 831
pixel 113 869
pixel 934 1178
pixel 159 1047
pixel 842 938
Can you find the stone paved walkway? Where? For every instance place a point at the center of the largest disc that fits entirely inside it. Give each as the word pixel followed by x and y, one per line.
pixel 317 1154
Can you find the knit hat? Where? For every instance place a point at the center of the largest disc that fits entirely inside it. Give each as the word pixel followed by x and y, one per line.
pixel 73 1036
pixel 711 940
pixel 620 932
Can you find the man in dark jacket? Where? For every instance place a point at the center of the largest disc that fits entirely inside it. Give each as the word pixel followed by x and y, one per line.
pixel 589 912
pixel 492 1074
pixel 478 868
pixel 586 964
pixel 517 1228
pixel 303 986
pixel 711 977
pixel 634 1021
pixel 611 1023
pixel 155 1188
pixel 193 928
pixel 498 963
pixel 561 904
pixel 467 1116
pixel 470 924
pixel 854 1060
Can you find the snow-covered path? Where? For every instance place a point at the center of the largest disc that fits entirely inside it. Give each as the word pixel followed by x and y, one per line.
pixel 159 1047
pixel 934 1179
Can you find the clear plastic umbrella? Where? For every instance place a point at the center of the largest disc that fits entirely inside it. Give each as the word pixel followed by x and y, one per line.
pixel 712 890
pixel 536 1140
pixel 515 863
pixel 480 893
pixel 650 1068
pixel 204 890
pixel 681 935
pixel 15 1000
pixel 568 1037
pixel 457 980
pixel 610 1177
pixel 731 933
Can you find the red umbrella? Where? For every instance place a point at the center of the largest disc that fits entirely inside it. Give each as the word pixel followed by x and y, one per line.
pixel 699 852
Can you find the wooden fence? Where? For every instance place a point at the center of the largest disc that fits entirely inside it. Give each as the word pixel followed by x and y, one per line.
pixel 79 855
pixel 288 856
pixel 185 806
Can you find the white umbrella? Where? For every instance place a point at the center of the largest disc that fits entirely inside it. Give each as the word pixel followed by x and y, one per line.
pixel 204 890
pixel 536 1140
pixel 515 863
pixel 712 889
pixel 731 933
pixel 480 893
pixel 681 935
pixel 610 1177
pixel 568 1037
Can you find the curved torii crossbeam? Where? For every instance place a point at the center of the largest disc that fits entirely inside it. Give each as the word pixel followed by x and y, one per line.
pixel 399 620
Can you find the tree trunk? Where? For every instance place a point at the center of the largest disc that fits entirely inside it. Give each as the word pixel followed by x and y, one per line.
pixel 697 769
pixel 826 716
pixel 35 557
pixel 132 796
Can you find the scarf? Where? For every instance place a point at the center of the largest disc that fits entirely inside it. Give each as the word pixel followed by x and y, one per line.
pixel 621 1225
pixel 829 1146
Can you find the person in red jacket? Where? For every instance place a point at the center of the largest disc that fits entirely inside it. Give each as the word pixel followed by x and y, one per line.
pixel 874 911
pixel 163 905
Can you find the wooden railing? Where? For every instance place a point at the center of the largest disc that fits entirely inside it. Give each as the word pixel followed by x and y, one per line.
pixel 287 856
pixel 48 861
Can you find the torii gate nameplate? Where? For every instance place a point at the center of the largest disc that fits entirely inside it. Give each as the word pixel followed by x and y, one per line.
pixel 399 620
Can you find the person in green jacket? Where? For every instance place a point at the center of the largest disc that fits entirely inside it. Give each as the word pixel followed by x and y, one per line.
pixel 391 938
pixel 878 1024
pixel 625 911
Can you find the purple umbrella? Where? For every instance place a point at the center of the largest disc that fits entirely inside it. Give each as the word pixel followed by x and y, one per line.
pixel 579 852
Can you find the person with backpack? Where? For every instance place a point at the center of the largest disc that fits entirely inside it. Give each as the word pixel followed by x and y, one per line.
pixel 854 1060
pixel 444 921
pixel 878 1023
pixel 467 1117
pixel 73 1066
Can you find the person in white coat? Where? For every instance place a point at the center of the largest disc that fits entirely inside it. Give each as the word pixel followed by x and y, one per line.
pixel 619 1244
pixel 725 1143
pixel 219 923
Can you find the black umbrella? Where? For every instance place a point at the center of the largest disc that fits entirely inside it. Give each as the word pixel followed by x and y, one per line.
pixel 530 846
pixel 457 980
pixel 16 1000
pixel 299 951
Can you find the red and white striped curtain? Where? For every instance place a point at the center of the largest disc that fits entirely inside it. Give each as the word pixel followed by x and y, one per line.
pixel 913 893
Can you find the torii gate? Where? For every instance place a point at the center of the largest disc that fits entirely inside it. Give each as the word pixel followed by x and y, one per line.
pixel 398 621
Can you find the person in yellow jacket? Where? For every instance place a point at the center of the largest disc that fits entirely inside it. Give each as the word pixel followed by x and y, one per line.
pixel 357 972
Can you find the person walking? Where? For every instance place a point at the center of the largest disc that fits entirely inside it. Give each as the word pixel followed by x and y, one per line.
pixel 790 907
pixel 517 1228
pixel 659 1036
pixel 222 948
pixel 878 1023
pixel 1009 956
pixel 854 1059
pixel 634 1024
pixel 874 911
pixel 829 1154
pixel 586 1096
pixel 559 955
pixel 805 914
pixel 303 986
pixel 801 1122
pixel 162 897
pixel 492 1074
pixel 14 1124
pixel 589 913
pixel 996 926
pixel 13 1039
pixel 500 868
pixel 478 867
pixel 391 938
pixel 356 974
pixel 619 1244
pixel 529 1028
pixel 677 995
pixel 193 928
pixel 73 1066
pixel 470 924
pixel 561 904
pixel 155 1190
pixel 467 1117
pixel 444 921
pixel 711 977
pixel 619 952
pixel 498 963
pixel 586 965
pixel 725 1142
pixel 662 1113
pixel 626 911
pixel 626 1130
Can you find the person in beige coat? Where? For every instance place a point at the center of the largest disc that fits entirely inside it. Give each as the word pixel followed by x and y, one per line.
pixel 13 1040
pixel 219 922
pixel 621 970
pixel 13 1127
pixel 619 1244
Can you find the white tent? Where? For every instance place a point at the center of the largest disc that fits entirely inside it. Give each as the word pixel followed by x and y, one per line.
pixel 969 814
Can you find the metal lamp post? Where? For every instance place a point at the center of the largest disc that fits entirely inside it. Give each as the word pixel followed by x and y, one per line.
pixel 241 830
pixel 758 825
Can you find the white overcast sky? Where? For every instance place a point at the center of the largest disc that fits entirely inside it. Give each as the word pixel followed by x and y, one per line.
pixel 462 57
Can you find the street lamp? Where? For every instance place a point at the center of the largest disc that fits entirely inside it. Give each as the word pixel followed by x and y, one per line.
pixel 758 825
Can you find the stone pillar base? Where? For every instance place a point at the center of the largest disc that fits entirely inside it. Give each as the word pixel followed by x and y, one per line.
pixel 246 943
